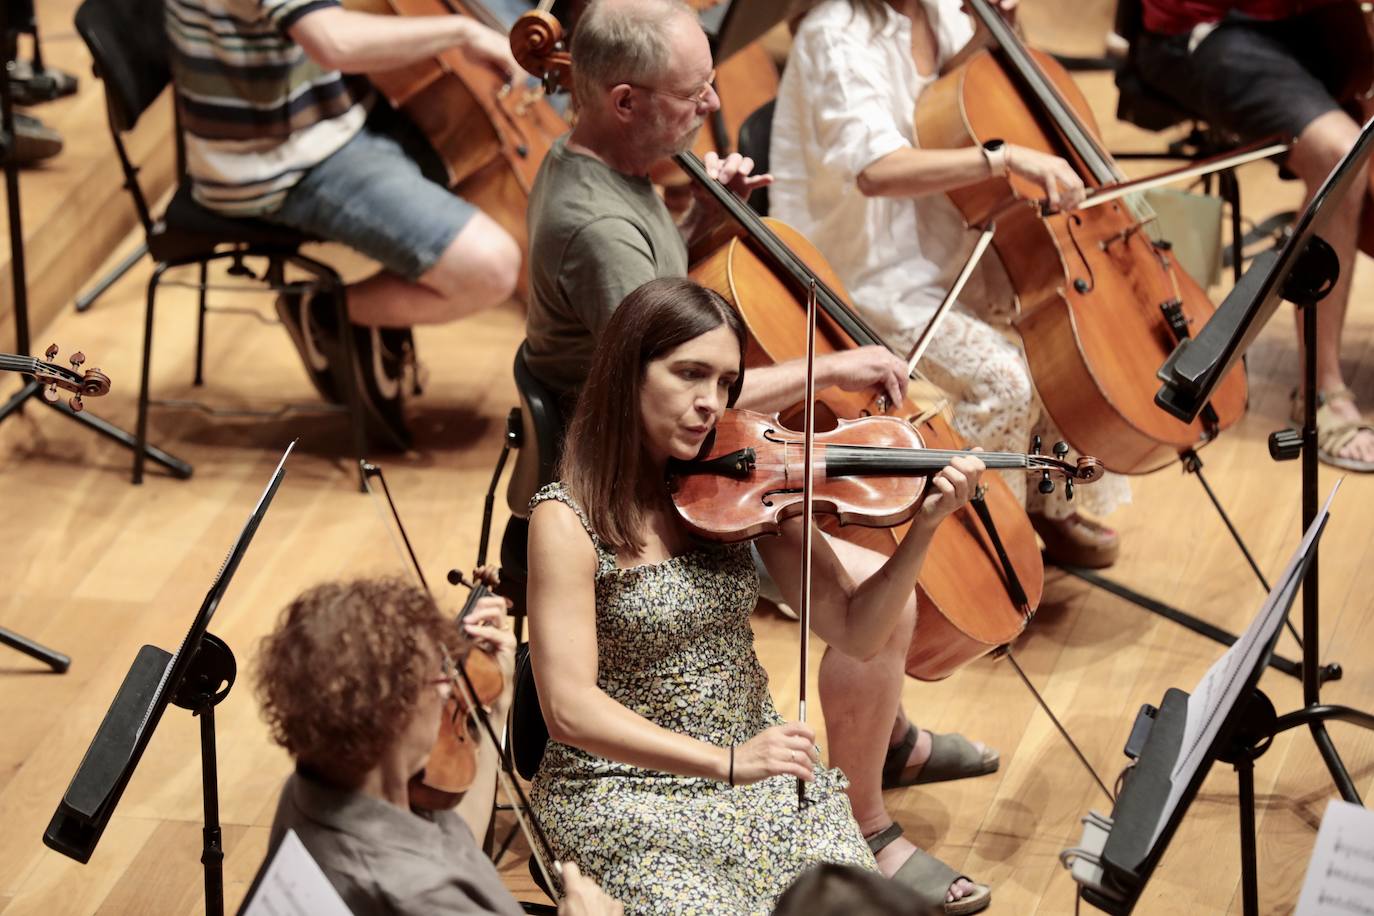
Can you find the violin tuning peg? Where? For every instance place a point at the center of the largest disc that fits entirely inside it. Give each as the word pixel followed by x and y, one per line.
pixel 50 393
pixel 76 359
pixel 51 353
pixel 1035 445
pixel 1068 489
pixel 1061 449
pixel 1046 486
pixel 77 404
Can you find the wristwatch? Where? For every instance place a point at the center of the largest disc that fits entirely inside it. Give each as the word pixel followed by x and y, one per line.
pixel 995 152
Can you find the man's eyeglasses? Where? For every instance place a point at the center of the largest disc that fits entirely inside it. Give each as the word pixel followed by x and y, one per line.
pixel 698 98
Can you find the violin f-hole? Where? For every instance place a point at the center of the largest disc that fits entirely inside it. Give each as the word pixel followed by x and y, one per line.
pixel 767 496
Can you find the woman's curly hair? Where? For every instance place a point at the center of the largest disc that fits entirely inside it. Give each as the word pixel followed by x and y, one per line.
pixel 339 677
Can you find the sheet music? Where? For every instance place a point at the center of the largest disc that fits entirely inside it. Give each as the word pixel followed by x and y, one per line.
pixel 294 885
pixel 1340 876
pixel 1220 687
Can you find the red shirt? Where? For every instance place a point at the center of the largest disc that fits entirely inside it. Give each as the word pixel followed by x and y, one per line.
pixel 1174 17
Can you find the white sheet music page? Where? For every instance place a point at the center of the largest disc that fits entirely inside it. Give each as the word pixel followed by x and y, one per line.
pixel 1220 687
pixel 294 885
pixel 1340 876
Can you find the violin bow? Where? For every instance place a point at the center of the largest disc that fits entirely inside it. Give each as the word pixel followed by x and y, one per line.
pixel 808 469
pixel 540 849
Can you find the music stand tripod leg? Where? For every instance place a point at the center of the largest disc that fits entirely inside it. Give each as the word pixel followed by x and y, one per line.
pixel 53 659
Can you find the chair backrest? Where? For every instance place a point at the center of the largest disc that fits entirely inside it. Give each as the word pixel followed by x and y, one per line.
pixel 529 735
pixel 755 136
pixel 541 437
pixel 128 41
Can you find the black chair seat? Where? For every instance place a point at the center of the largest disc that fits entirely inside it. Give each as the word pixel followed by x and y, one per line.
pixel 1141 105
pixel 189 232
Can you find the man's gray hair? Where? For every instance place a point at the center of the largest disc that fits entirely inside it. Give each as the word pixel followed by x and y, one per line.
pixel 622 42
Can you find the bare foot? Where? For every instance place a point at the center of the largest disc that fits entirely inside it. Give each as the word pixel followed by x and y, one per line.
pixel 894 855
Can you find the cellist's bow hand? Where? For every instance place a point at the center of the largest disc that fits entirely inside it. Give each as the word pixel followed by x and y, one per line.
pixel 862 368
pixel 584 897
pixel 492 49
pixel 952 488
pixel 1064 189
pixel 1007 8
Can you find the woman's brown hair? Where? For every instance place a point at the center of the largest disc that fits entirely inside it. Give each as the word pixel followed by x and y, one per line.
pixel 340 675
pixel 603 462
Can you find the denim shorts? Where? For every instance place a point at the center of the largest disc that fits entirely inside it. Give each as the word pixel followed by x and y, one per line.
pixel 382 193
pixel 1250 77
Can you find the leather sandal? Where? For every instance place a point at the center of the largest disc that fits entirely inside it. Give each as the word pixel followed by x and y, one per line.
pixel 951 757
pixel 1077 541
pixel 929 879
pixel 1334 432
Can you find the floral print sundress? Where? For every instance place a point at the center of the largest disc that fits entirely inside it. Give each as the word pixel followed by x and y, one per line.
pixel 674 645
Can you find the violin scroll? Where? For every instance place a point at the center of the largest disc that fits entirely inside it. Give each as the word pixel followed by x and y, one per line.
pixel 1085 469
pixel 91 383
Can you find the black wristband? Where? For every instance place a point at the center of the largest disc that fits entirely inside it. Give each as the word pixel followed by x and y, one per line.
pixel 732 765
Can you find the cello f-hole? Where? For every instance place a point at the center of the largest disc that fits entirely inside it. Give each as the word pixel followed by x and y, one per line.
pixel 1079 284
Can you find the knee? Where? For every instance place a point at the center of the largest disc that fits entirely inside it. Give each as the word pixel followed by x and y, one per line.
pixel 1322 144
pixel 478 270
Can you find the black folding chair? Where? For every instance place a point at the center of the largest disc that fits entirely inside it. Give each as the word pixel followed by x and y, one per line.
pixel 128 42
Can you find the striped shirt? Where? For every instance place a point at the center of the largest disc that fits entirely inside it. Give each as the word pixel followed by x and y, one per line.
pixel 256 112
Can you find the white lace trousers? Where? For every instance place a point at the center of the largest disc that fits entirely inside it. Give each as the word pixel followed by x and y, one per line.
pixel 995 405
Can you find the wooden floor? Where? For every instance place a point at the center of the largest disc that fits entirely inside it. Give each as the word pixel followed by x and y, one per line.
pixel 96 568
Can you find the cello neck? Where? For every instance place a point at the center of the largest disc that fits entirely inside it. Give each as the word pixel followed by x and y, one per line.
pixel 775 250
pixel 1020 63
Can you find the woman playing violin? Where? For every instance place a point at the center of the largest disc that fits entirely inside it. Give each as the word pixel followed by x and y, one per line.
pixel 671 774
pixel 353 685
pixel 848 174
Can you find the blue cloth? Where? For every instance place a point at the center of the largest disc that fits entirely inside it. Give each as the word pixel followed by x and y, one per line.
pixel 382 194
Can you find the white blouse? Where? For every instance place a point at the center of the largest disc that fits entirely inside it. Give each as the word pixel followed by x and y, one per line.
pixel 847 99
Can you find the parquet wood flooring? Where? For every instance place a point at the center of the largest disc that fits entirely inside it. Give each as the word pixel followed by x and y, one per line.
pixel 96 567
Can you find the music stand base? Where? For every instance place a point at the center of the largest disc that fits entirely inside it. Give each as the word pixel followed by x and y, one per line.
pixel 53 659
pixel 33 390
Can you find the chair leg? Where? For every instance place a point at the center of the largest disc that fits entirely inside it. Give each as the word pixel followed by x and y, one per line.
pixel 1230 191
pixel 141 432
pixel 350 375
pixel 200 326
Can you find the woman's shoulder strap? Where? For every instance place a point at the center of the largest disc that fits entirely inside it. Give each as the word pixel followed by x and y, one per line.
pixel 557 492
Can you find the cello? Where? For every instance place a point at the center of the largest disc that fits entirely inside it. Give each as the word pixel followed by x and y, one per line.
pixel 490 135
pixel 1100 304
pixel 983 576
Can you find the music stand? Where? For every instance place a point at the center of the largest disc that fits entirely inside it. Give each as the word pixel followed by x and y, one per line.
pixel 1303 272
pixel 1226 718
pixel 197 678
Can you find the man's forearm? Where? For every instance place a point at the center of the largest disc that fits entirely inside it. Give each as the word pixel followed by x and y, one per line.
pixel 358 42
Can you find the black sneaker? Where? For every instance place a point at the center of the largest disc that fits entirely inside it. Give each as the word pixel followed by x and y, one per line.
pixel 311 321
pixel 382 359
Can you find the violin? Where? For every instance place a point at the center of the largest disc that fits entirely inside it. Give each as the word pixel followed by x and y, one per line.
pixel 1100 303
pixel 89 384
pixel 452 764
pixel 871 472
pixel 477 681
pixel 983 576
